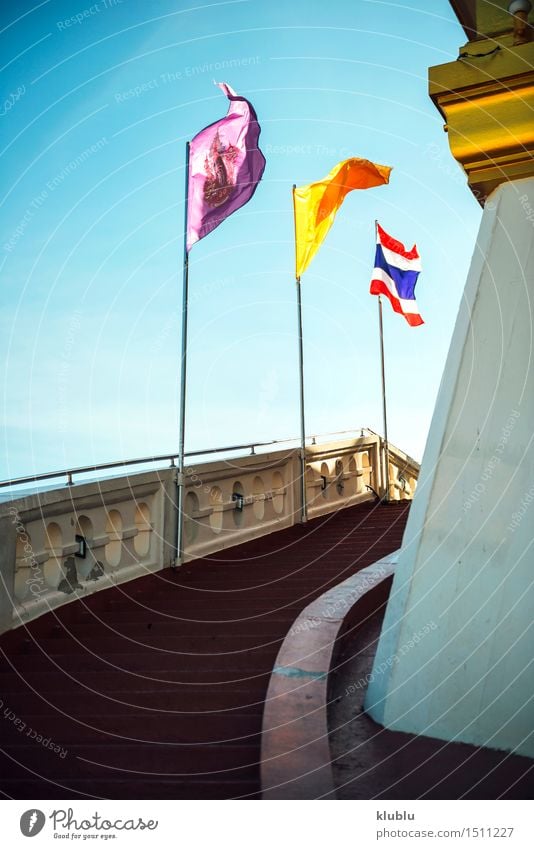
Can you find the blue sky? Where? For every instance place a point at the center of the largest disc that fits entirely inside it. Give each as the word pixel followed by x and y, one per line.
pixel 97 103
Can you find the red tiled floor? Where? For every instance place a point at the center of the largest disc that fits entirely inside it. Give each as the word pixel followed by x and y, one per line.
pixel 155 689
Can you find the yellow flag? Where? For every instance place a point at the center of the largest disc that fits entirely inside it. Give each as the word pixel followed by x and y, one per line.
pixel 316 204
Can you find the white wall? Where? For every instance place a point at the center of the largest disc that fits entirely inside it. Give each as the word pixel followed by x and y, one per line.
pixel 466 569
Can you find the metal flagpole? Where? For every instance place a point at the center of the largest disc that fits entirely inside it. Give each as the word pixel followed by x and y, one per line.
pixel 384 410
pixel 304 506
pixel 181 444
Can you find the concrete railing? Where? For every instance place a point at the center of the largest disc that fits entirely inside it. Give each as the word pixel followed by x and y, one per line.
pixel 68 542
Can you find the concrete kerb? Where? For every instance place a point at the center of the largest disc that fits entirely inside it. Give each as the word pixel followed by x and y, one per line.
pixel 295 748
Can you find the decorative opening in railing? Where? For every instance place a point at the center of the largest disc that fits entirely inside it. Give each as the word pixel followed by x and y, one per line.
pixel 84 528
pixel 238 497
pixel 144 528
pixel 352 485
pixel 258 491
pixel 23 540
pixel 278 493
pixel 54 547
pixel 216 504
pixel 23 565
pixel 191 507
pixel 114 531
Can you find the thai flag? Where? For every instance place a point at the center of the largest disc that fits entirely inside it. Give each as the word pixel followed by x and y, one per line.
pixel 395 275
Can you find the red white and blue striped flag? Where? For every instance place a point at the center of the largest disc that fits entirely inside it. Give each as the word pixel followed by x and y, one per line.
pixel 395 275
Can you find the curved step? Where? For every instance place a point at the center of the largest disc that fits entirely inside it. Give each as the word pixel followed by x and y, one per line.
pixel 295 748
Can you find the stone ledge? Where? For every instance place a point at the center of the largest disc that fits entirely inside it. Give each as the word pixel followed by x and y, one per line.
pixel 295 747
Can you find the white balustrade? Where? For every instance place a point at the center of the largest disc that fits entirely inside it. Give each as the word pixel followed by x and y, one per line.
pixel 127 525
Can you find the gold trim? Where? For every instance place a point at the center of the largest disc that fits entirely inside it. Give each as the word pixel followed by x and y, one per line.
pixel 488 106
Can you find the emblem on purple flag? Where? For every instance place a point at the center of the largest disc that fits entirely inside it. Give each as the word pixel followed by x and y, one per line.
pixel 225 166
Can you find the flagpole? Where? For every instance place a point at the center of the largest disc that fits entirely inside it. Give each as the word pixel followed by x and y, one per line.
pixel 383 372
pixel 180 483
pixel 303 501
pixel 384 409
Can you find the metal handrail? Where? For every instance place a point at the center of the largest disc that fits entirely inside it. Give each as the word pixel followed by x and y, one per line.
pixel 118 464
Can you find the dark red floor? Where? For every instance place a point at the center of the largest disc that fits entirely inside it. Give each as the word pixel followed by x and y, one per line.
pixel 155 689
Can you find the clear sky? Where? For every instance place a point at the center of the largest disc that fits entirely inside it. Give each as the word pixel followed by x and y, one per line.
pixel 97 102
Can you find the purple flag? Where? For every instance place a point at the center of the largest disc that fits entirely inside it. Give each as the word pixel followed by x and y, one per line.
pixel 225 166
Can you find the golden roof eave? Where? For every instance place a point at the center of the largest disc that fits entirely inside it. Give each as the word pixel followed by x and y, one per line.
pixel 488 106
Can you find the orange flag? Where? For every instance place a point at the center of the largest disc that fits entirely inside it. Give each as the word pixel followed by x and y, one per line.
pixel 316 205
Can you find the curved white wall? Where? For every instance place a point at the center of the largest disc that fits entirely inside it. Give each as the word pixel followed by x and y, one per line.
pixel 466 572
